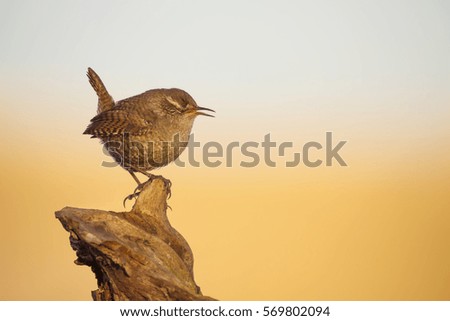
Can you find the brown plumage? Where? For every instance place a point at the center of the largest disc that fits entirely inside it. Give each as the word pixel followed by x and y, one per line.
pixel 105 101
pixel 146 131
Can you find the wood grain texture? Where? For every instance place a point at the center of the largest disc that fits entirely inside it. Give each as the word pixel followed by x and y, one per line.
pixel 134 255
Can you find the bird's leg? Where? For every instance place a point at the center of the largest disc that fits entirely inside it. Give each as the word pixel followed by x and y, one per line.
pixel 140 185
pixel 135 177
pixel 151 177
pixel 136 190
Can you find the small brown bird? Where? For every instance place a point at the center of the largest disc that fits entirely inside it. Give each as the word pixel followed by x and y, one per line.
pixel 146 131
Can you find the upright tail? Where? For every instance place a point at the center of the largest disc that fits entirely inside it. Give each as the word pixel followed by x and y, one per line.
pixel 105 101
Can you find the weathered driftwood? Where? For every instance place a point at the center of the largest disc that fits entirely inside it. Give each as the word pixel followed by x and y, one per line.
pixel 135 255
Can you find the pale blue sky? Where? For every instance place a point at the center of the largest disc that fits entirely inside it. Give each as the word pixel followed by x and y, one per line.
pixel 273 62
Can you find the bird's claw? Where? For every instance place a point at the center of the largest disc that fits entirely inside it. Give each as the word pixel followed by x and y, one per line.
pixel 130 197
pixel 137 190
pixel 167 183
pixel 135 193
pixel 168 186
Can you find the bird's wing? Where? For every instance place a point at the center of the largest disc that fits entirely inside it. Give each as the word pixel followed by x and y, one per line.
pixel 118 121
pixel 105 101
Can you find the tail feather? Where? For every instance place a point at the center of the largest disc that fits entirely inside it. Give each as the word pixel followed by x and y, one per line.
pixel 105 101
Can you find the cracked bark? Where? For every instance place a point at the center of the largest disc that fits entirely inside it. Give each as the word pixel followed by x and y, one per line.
pixel 134 255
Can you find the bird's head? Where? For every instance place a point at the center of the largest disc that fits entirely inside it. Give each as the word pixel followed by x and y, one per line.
pixel 182 104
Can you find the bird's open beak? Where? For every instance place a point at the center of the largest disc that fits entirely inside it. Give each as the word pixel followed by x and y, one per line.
pixel 204 114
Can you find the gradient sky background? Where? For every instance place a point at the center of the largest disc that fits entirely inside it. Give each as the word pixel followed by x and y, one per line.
pixel 375 73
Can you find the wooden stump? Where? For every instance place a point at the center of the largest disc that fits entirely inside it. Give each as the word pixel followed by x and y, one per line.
pixel 134 255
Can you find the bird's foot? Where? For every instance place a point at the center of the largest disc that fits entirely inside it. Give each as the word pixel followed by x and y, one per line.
pixel 151 177
pixel 130 197
pixel 167 182
pixel 135 193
